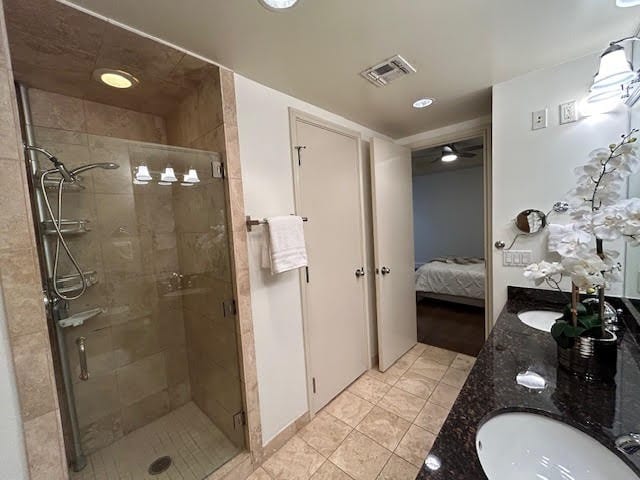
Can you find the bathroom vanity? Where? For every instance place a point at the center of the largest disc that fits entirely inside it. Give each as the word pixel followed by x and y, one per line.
pixel 517 371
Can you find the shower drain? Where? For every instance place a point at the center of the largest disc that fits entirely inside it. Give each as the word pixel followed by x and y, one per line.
pixel 159 465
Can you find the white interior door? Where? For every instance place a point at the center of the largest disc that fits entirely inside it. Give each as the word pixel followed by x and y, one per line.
pixel 394 253
pixel 328 192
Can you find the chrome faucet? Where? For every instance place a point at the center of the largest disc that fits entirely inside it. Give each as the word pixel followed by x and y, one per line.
pixel 629 443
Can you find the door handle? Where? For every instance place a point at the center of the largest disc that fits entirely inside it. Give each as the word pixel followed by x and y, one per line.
pixel 360 272
pixel 82 353
pixel 385 270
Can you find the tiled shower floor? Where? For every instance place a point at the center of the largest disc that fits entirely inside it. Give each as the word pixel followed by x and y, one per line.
pixel 196 446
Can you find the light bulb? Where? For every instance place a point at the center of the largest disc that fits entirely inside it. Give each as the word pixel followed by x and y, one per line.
pixel 142 173
pixel 448 155
pixel 168 176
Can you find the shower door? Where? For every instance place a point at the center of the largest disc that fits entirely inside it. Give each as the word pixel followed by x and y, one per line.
pixel 150 349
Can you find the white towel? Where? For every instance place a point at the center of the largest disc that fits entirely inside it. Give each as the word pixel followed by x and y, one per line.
pixel 284 248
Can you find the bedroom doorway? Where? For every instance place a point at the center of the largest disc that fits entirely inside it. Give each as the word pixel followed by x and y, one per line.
pixel 450 210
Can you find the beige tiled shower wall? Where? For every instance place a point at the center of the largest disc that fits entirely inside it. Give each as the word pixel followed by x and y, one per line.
pixel 136 348
pixel 21 289
pixel 203 246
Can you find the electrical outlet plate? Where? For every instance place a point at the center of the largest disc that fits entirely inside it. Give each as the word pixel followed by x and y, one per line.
pixel 568 112
pixel 539 119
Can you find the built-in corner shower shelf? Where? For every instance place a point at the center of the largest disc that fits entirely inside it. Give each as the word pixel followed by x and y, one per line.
pixel 67 227
pixel 78 319
pixel 72 283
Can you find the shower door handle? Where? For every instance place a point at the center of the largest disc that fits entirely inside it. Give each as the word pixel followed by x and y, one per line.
pixel 81 342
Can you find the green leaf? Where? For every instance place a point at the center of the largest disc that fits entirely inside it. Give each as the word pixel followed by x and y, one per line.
pixel 589 321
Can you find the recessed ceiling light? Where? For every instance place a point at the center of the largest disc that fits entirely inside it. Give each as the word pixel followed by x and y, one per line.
pixel 627 3
pixel 115 78
pixel 278 5
pixel 423 102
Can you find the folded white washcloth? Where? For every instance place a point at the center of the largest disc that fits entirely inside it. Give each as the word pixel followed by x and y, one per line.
pixel 284 248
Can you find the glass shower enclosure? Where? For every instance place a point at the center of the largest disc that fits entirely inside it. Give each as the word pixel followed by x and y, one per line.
pixel 134 246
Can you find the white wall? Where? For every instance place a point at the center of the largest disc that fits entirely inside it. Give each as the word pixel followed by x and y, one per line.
pixel 444 132
pixel 13 464
pixel 534 169
pixel 265 152
pixel 448 214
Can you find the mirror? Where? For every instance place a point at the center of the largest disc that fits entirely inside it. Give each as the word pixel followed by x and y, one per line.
pixel 531 221
pixel 631 256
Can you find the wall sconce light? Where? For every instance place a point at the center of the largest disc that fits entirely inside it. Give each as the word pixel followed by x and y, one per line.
pixel 191 177
pixel 168 176
pixel 615 79
pixel 614 69
pixel 142 174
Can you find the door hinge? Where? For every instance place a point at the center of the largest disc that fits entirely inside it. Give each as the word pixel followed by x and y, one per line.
pixel 217 170
pixel 313 384
pixel 306 272
pixel 229 308
pixel 299 148
pixel 239 420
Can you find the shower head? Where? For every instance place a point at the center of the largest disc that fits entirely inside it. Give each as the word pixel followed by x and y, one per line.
pixel 62 169
pixel 91 166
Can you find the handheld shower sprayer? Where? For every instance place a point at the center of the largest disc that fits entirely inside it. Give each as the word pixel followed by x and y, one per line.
pixel 60 167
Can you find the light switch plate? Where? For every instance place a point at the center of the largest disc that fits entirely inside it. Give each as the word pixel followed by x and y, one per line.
pixel 568 112
pixel 516 258
pixel 539 119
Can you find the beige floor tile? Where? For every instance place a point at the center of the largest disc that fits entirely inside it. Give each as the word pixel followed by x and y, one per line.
pixel 455 377
pixel 259 474
pixel 398 469
pixel 415 445
pixel 439 355
pixel 418 348
pixel 349 408
pixel 369 388
pixel 294 461
pixel 444 395
pixel 391 375
pixel 384 427
pixel 432 417
pixel 416 384
pixel 360 457
pixel 463 362
pixel 428 368
pixel 325 433
pixel 328 471
pixel 402 403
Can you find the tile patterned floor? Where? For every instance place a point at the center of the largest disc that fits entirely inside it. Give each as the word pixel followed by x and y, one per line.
pixel 196 446
pixel 381 427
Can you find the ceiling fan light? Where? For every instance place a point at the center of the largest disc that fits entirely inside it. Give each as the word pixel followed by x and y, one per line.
pixel 448 154
pixel 614 69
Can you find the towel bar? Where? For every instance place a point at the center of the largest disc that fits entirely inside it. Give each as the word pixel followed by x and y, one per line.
pixel 251 222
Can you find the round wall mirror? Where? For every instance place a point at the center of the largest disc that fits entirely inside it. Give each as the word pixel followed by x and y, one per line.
pixel 531 221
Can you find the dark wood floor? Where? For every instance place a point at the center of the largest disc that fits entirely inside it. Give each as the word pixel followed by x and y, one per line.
pixel 450 325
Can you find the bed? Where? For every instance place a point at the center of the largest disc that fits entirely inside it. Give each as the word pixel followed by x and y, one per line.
pixel 453 279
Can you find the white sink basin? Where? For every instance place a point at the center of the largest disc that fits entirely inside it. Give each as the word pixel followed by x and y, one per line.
pixel 520 445
pixel 539 319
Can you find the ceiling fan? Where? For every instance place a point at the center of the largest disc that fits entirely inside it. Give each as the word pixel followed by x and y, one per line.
pixel 451 153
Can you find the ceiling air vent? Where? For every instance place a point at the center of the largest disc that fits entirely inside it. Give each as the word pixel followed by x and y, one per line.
pixel 387 71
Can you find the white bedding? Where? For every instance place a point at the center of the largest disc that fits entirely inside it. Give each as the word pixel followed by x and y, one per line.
pixel 451 279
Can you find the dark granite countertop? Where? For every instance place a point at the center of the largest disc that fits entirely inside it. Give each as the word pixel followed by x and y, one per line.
pixel 602 411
